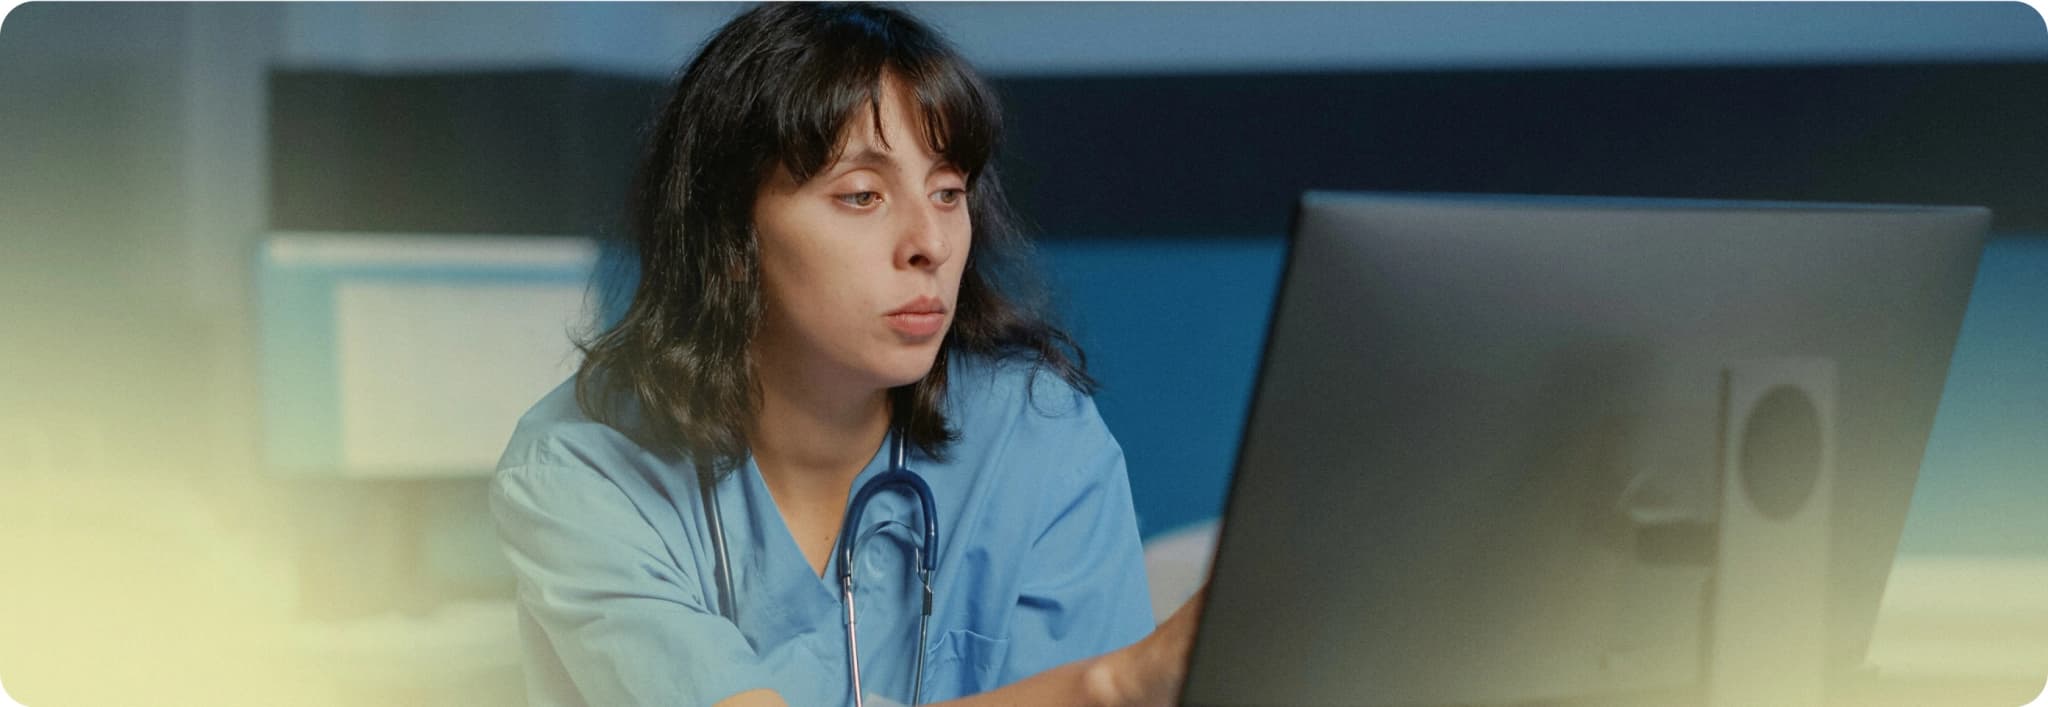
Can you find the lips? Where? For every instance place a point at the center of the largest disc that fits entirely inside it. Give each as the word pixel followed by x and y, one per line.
pixel 919 318
pixel 921 305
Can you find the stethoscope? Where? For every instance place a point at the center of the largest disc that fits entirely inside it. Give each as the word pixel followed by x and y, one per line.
pixel 898 474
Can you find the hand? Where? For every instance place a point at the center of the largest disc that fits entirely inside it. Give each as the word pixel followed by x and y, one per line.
pixel 1151 671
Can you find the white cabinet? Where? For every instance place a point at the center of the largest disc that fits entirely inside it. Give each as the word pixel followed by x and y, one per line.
pixel 411 356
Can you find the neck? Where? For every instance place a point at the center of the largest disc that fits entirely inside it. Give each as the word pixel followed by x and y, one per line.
pixel 812 435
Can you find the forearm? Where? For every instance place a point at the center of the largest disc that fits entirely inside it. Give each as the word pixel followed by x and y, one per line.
pixel 1083 683
pixel 1144 674
pixel 754 698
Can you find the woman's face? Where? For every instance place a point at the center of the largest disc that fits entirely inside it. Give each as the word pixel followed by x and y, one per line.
pixel 861 265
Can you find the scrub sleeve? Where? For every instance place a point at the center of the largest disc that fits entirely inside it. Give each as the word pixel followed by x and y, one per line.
pixel 599 587
pixel 1083 591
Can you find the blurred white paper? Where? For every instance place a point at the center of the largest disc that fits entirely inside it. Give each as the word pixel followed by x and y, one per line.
pixel 434 376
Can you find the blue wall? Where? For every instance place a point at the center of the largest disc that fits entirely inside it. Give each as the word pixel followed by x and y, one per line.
pixel 1046 39
pixel 1173 329
pixel 1984 485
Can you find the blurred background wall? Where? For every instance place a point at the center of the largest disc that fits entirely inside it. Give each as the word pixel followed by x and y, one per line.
pixel 153 545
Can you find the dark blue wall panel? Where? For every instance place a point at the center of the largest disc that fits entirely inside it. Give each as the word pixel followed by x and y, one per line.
pixel 1173 329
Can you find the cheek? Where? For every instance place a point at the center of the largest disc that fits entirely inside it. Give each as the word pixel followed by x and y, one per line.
pixel 810 289
pixel 815 285
pixel 957 268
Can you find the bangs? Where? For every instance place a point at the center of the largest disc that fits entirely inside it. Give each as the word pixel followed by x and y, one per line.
pixel 959 116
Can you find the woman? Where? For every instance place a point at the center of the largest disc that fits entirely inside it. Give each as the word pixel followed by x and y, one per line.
pixel 823 251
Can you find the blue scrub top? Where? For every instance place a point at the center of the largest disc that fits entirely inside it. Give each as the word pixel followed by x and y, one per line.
pixel 1039 561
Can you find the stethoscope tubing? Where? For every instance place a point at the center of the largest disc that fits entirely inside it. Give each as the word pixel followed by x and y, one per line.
pixel 706 485
pixel 898 475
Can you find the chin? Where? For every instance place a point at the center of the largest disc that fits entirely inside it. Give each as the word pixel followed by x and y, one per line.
pixel 908 366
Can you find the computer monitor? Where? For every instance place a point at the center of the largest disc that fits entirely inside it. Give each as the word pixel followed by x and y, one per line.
pixel 1513 450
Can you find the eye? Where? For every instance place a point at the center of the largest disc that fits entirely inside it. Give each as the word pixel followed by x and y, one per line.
pixel 862 199
pixel 949 197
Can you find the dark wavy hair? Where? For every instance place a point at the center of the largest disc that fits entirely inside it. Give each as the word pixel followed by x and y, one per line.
pixel 776 87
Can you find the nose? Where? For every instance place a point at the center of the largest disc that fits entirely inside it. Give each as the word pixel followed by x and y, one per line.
pixel 925 243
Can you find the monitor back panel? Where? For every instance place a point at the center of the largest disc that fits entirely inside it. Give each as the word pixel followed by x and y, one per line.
pixel 1457 392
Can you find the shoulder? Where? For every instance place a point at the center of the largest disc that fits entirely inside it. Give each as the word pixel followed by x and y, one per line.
pixel 555 443
pixel 574 492
pixel 556 432
pixel 983 386
pixel 1016 412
